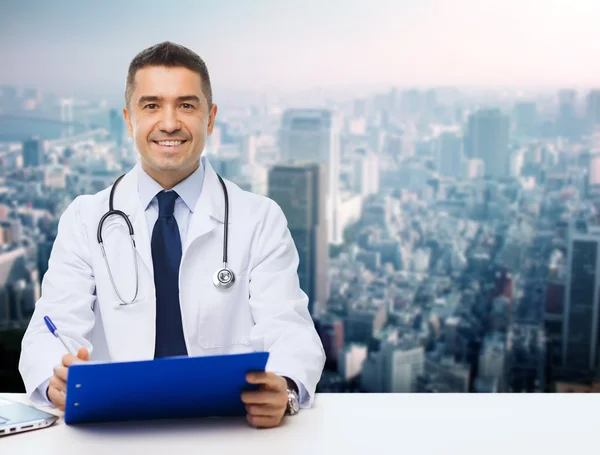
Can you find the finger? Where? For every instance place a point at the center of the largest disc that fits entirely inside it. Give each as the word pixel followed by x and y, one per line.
pixel 263 422
pixel 260 397
pixel 69 359
pixel 271 380
pixel 57 398
pixel 264 410
pixel 83 354
pixel 58 384
pixel 61 372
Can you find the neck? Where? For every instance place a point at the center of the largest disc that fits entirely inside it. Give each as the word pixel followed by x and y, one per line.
pixel 169 179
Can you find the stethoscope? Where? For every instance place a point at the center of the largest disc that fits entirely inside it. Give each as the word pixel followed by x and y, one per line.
pixel 223 278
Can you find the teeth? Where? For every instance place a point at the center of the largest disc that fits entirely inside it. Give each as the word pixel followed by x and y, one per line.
pixel 170 143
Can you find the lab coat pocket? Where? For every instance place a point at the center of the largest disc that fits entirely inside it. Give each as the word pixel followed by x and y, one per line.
pixel 225 319
pixel 129 329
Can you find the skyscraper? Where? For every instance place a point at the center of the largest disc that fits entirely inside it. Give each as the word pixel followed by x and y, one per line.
pixel 298 189
pixel 566 123
pixel 33 152
pixel 450 160
pixel 248 149
pixel 582 299
pixel 116 127
pixel 526 119
pixel 593 108
pixel 487 139
pixel 365 172
pixel 313 135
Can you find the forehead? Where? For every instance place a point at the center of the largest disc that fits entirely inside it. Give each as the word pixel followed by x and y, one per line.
pixel 166 82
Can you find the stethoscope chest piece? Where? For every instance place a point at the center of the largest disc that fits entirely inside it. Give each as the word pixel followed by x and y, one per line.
pixel 223 278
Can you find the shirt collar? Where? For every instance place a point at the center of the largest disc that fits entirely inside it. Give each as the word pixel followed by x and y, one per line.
pixel 188 190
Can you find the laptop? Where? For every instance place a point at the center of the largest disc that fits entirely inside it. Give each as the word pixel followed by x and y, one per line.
pixel 18 418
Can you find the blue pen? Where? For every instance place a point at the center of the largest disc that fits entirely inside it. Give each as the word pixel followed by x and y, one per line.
pixel 57 334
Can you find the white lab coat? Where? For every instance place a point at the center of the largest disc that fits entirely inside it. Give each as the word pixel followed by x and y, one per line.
pixel 265 310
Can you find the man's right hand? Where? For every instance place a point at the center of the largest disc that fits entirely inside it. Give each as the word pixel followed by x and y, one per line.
pixel 57 389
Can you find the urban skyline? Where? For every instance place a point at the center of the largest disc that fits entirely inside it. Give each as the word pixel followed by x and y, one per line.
pixel 448 237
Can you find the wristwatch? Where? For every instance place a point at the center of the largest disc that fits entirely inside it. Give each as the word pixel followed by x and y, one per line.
pixel 293 404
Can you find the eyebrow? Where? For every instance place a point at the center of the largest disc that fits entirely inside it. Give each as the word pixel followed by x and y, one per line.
pixel 154 98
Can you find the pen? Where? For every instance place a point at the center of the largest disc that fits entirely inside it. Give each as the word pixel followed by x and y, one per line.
pixel 57 334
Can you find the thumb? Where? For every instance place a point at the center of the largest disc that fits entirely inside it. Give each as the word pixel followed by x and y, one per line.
pixel 83 354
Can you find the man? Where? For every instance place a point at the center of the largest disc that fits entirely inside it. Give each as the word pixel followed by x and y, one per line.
pixel 175 204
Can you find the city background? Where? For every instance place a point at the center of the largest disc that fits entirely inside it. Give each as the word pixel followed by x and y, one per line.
pixel 439 166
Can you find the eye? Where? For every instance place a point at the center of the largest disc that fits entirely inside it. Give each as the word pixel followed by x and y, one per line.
pixel 149 106
pixel 188 106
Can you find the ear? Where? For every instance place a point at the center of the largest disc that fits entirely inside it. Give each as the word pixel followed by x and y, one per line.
pixel 212 115
pixel 127 118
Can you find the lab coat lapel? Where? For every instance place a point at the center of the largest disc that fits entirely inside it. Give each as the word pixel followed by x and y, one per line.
pixel 130 329
pixel 209 211
pixel 127 199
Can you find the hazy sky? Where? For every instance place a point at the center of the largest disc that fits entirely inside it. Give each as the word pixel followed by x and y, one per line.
pixel 290 44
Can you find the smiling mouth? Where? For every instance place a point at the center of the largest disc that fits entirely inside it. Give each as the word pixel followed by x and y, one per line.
pixel 170 144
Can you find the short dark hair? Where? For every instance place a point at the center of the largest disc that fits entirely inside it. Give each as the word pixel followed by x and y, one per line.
pixel 170 55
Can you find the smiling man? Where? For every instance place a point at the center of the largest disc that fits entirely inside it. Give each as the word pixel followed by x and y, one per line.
pixel 181 101
pixel 175 202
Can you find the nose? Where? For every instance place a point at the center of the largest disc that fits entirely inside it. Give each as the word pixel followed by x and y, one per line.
pixel 169 122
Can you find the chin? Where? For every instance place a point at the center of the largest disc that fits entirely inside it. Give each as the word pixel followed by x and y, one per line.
pixel 171 164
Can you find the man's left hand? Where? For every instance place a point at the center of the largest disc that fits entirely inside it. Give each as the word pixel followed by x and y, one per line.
pixel 266 407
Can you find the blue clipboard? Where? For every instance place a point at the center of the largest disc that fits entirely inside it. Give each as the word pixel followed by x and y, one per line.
pixel 167 388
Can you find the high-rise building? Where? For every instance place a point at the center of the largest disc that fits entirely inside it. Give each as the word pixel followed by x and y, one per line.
pixel 33 152
pixel 248 149
pixel 403 362
pixel 525 358
pixel 395 368
pixel 44 249
pixel 298 189
pixel 364 321
pixel 553 320
pixel 582 303
pixel 492 356
pixel 450 161
pixel 593 174
pixel 366 172
pixel 14 276
pixel 313 135
pixel 411 102
pixel 331 331
pixel 351 360
pixel 593 108
pixel 228 162
pixel 566 123
pixel 116 127
pixel 487 138
pixel 525 119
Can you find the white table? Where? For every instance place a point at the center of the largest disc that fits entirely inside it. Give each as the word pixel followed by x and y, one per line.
pixel 349 424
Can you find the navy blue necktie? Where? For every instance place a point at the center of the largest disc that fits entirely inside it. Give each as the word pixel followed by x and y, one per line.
pixel 166 258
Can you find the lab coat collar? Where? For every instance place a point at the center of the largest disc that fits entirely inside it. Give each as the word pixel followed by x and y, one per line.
pixel 212 197
pixel 208 213
pixel 210 208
